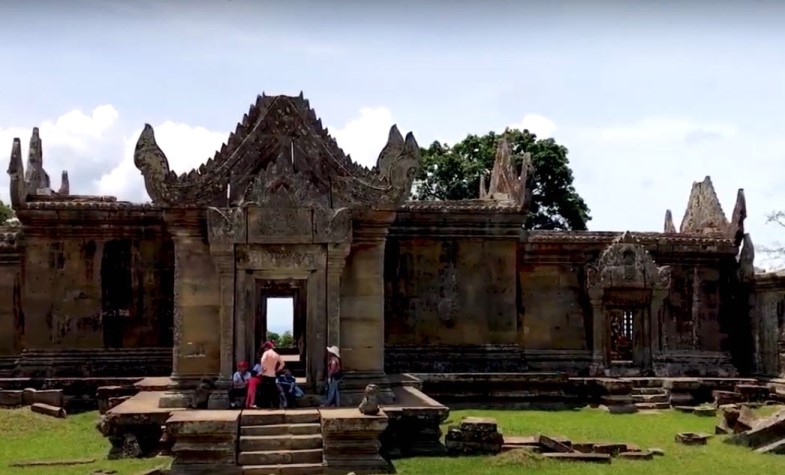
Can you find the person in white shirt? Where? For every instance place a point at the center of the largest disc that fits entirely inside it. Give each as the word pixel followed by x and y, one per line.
pixel 239 383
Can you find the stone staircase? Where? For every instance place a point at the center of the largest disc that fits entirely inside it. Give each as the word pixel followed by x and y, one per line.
pixel 650 395
pixel 285 442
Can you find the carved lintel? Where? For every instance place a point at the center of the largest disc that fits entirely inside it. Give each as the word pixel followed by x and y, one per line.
pixel 226 225
pixel 333 225
pixel 625 264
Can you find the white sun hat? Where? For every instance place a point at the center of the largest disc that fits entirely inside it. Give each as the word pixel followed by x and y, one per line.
pixel 333 350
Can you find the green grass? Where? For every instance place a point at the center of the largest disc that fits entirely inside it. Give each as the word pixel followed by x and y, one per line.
pixel 655 429
pixel 25 436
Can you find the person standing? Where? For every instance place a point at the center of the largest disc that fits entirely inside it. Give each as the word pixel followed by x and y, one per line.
pixel 271 364
pixel 334 376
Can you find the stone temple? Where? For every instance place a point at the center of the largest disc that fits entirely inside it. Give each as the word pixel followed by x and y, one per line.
pixel 412 292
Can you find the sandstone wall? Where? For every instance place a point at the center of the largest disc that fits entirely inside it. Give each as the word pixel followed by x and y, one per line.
pixel 9 298
pixel 450 291
pixel 769 317
pixel 88 286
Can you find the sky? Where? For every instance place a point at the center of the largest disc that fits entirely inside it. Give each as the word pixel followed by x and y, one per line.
pixel 647 98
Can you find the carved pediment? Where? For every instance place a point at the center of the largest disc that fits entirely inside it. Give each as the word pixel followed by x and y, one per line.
pixel 625 263
pixel 281 156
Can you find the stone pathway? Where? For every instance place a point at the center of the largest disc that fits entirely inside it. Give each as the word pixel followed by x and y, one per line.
pixel 286 442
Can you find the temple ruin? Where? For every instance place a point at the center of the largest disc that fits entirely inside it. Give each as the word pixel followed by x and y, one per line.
pixel 93 287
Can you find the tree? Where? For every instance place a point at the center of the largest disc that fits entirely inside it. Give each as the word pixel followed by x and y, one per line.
pixel 453 173
pixel 6 212
pixel 287 340
pixel 274 337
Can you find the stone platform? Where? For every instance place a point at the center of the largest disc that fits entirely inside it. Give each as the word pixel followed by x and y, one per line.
pixel 291 441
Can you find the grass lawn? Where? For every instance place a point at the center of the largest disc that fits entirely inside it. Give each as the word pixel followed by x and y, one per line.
pixel 28 436
pixel 655 429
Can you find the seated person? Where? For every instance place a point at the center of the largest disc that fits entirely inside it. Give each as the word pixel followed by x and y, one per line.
pixel 239 383
pixel 290 392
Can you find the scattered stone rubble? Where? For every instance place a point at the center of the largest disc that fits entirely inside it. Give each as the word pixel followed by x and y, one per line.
pixel 474 436
pixel 763 434
pixel 48 401
pixel 562 448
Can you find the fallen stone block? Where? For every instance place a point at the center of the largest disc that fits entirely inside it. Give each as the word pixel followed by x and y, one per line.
pixel 51 463
pixel 479 424
pixel 745 420
pixel 682 399
pixel 722 398
pixel 753 392
pixel 705 411
pixel 555 444
pixel 636 455
pixel 609 448
pixel 692 438
pixel 657 452
pixel 48 410
pixel 11 398
pixel 777 447
pixel 27 396
pixel 685 409
pixel 578 457
pixel 113 402
pixel 583 447
pixel 763 432
pixel 51 397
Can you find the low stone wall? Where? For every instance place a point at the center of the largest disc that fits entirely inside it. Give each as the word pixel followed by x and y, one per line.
pixel 82 363
pixel 484 359
pixel 351 442
pixel 694 364
pixel 414 427
pixel 79 394
pixel 205 442
pixel 509 390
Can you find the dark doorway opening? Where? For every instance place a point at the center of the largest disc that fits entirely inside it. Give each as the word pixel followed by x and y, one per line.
pixel 622 336
pixel 281 318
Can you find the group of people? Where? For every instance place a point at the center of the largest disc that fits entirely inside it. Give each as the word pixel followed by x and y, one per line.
pixel 274 385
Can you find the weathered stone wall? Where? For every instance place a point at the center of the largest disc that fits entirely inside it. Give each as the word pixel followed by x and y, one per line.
pixel 10 273
pixel 87 284
pixel 450 291
pixel 769 317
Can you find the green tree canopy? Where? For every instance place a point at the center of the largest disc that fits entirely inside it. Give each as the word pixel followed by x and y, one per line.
pixel 6 212
pixel 453 173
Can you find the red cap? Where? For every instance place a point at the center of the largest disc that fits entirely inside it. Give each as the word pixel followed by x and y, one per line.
pixel 242 364
pixel 268 344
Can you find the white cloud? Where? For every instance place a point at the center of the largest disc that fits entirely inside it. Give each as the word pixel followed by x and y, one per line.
pixel 364 137
pixel 186 147
pixel 539 125
pixel 629 174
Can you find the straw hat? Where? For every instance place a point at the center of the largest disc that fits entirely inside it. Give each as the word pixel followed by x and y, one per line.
pixel 333 350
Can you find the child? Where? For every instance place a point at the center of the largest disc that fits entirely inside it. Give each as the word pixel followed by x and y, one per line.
pixel 240 381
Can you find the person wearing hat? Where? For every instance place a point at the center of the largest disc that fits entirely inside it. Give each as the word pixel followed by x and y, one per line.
pixel 240 381
pixel 334 375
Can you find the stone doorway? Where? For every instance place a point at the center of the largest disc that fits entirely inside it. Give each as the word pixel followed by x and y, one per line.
pixel 623 340
pixel 294 352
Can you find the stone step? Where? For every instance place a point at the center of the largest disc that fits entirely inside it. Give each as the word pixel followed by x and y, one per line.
pixel 642 391
pixel 652 406
pixel 651 398
pixel 282 429
pixel 291 469
pixel 265 417
pixel 280 457
pixel 256 443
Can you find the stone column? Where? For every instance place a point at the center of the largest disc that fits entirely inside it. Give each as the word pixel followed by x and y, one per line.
pixel 362 311
pixel 223 257
pixel 599 329
pixel 196 348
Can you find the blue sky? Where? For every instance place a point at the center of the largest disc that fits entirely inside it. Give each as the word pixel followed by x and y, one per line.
pixel 647 98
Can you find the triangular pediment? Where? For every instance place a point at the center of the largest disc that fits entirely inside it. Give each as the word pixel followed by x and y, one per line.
pixel 280 152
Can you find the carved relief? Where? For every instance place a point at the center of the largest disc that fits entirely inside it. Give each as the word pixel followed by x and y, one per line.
pixel 279 224
pixel 274 257
pixel 627 264
pixel 282 149
pixel 333 225
pixel 226 225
